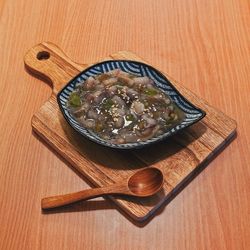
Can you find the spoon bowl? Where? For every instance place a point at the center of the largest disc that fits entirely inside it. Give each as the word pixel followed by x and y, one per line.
pixel 142 183
pixel 146 182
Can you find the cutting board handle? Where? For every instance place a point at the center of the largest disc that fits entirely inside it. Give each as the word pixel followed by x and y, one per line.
pixel 48 61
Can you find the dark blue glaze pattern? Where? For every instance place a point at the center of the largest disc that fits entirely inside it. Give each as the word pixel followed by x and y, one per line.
pixel 192 113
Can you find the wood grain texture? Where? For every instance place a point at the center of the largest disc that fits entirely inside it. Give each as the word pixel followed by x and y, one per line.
pixel 178 157
pixel 203 44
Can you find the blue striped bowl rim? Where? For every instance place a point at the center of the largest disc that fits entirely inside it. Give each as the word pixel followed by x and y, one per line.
pixel 192 113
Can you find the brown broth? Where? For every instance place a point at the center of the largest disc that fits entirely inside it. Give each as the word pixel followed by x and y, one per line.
pixel 123 108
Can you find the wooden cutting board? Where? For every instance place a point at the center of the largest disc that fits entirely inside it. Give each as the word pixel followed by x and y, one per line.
pixel 180 157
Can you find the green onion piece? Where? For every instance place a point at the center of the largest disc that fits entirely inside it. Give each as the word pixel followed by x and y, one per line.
pixel 108 103
pixel 150 92
pixel 130 117
pixel 74 99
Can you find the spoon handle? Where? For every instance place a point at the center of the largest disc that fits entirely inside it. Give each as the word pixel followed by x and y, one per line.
pixel 64 199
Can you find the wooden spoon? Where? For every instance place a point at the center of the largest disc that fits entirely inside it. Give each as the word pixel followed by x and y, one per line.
pixel 145 182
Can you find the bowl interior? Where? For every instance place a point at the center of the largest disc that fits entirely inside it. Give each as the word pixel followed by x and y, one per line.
pixel 192 113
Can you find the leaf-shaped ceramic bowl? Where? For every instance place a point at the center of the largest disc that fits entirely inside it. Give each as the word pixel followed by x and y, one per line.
pixel 192 113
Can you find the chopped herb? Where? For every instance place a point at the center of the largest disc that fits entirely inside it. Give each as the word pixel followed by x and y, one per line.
pixel 130 117
pixel 107 104
pixel 74 99
pixel 150 92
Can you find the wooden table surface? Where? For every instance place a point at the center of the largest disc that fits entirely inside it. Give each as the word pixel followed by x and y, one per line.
pixel 204 44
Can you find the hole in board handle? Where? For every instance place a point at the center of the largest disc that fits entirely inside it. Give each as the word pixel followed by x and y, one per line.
pixel 43 55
